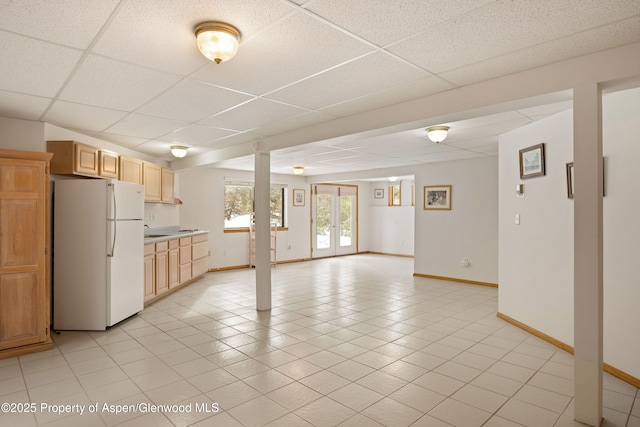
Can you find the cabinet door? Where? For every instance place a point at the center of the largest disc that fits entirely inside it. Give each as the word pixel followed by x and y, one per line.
pixel 85 159
pixel 167 185
pixel 107 164
pixel 130 170
pixel 162 272
pixel 23 230
pixel 174 268
pixel 152 180
pixel 149 279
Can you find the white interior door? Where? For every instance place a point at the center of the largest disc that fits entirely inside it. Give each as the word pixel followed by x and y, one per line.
pixel 334 220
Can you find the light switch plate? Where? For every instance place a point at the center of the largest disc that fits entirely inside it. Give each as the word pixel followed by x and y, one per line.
pixel 517 219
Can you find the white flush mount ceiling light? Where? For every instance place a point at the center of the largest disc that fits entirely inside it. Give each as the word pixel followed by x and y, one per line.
pixel 298 170
pixel 393 178
pixel 217 41
pixel 179 151
pixel 437 134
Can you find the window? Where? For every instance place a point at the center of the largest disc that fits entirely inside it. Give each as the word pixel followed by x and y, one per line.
pixel 394 195
pixel 238 205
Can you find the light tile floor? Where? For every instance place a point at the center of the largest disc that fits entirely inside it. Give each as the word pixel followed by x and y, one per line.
pixel 350 341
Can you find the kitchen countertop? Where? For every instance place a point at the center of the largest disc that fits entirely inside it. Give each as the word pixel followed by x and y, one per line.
pixel 153 235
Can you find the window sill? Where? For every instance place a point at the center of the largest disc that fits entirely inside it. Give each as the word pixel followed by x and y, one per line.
pixel 246 230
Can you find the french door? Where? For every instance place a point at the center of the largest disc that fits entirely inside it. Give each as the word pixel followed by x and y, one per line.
pixel 334 224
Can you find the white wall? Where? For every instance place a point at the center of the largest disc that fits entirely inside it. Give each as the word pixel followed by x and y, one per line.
pixel 391 228
pixel 16 134
pixel 469 230
pixel 536 257
pixel 202 192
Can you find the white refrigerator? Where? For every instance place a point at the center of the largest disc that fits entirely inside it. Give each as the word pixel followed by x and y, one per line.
pixel 98 253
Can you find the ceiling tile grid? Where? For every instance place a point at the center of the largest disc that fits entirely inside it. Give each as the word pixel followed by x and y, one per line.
pixel 129 72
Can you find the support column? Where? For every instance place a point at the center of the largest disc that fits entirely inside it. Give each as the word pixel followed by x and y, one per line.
pixel 588 253
pixel 262 209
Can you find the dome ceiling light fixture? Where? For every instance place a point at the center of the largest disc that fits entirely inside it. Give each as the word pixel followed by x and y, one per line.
pixel 298 170
pixel 217 41
pixel 179 151
pixel 437 134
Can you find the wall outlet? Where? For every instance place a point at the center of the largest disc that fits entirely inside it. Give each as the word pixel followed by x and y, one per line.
pixel 464 262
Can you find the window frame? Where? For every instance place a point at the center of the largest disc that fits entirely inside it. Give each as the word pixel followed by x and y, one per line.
pixel 251 185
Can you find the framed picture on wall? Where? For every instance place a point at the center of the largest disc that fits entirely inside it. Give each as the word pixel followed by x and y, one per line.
pixel 298 197
pixel 532 161
pixel 378 193
pixel 437 197
pixel 570 180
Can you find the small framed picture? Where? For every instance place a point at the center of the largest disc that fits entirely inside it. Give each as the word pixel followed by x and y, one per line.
pixel 532 161
pixel 570 180
pixel 298 197
pixel 437 197
pixel 378 193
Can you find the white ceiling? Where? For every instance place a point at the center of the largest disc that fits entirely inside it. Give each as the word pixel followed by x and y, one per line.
pixel 129 71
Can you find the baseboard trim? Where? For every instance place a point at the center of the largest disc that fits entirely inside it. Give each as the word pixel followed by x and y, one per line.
pixel 288 261
pixel 569 349
pixel 453 279
pixel 387 254
pixel 231 267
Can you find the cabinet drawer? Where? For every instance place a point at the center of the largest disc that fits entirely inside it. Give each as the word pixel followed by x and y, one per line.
pixel 185 272
pixel 199 250
pixel 199 267
pixel 173 244
pixel 149 249
pixel 162 246
pixel 200 238
pixel 185 255
pixel 185 241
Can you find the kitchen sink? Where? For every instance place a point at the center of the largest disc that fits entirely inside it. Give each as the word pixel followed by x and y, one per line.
pixel 156 235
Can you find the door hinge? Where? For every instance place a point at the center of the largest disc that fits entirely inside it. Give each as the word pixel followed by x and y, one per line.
pixel 46 331
pixel 46 251
pixel 46 170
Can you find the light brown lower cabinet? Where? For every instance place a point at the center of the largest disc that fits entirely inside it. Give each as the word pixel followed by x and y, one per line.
pixel 173 263
pixel 25 287
pixel 149 272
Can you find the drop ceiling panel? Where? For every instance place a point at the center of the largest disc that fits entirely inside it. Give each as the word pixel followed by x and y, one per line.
pixel 26 65
pixel 145 126
pixel 403 92
pixel 196 135
pixel 123 140
pixel 73 23
pixel 384 22
pixel 103 82
pixel 22 106
pixel 67 114
pixel 571 46
pixel 300 121
pixel 254 114
pixel 506 26
pixel 352 80
pixel 283 54
pixel 192 101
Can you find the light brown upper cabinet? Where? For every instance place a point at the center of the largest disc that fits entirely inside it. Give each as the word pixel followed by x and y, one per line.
pixel 130 169
pixel 108 164
pixel 73 158
pixel 25 287
pixel 152 180
pixel 167 185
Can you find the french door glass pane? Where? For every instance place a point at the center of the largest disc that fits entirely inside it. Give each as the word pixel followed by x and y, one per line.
pixel 346 222
pixel 323 221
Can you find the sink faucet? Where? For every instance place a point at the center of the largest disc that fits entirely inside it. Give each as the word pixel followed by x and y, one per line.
pixel 146 226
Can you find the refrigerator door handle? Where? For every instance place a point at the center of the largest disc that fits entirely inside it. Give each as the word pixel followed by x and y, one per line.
pixel 114 221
